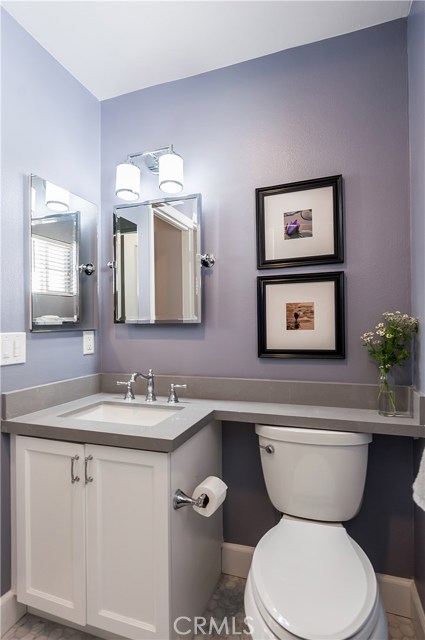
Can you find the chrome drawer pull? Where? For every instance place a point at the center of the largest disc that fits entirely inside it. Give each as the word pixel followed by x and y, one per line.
pixel 86 476
pixel 73 477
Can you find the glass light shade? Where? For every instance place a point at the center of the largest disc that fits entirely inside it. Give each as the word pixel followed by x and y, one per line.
pixel 171 172
pixel 57 199
pixel 127 185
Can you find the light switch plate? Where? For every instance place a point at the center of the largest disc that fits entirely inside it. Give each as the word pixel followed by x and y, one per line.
pixel 88 343
pixel 13 348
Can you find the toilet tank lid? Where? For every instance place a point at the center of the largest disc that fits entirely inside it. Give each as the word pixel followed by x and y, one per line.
pixel 312 436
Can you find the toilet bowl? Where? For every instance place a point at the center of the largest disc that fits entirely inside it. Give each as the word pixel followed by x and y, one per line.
pixel 308 579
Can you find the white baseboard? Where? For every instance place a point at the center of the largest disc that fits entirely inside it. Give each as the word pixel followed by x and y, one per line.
pixel 10 611
pixel 399 595
pixel 418 614
pixel 236 559
pixel 396 594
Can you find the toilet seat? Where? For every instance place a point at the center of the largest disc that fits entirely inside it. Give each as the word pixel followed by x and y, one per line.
pixel 375 628
pixel 312 580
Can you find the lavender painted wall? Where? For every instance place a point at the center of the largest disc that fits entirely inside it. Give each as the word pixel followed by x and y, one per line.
pixel 416 57
pixel 50 126
pixel 337 106
pixel 416 76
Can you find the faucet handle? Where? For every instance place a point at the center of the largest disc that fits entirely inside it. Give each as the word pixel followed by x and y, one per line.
pixel 129 395
pixel 172 396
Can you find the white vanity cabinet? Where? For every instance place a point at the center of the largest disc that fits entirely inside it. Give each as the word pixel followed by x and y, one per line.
pixel 98 543
pixel 50 528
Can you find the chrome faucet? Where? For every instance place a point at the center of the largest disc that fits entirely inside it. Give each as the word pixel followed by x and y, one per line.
pixel 150 395
pixel 129 394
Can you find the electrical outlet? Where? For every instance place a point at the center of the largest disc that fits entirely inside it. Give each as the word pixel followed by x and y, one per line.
pixel 88 342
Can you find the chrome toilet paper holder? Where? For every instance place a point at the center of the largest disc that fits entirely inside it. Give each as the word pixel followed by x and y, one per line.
pixel 181 499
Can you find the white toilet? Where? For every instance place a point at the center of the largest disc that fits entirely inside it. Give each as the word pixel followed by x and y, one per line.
pixel 308 579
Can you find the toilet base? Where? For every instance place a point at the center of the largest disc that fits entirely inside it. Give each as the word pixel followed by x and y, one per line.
pixel 375 628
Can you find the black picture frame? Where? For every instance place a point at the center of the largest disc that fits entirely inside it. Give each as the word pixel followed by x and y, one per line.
pixel 318 299
pixel 319 237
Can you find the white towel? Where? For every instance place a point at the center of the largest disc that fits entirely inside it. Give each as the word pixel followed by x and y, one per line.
pixel 419 485
pixel 48 320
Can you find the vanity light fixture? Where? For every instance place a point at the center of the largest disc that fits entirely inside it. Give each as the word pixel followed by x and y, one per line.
pixel 57 198
pixel 164 162
pixel 170 172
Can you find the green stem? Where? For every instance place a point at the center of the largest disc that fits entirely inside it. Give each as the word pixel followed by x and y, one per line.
pixel 386 388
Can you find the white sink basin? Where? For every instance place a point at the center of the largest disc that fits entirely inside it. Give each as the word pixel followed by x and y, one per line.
pixel 139 414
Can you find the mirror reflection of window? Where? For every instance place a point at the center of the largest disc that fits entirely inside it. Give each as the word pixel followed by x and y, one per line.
pixel 54 244
pixel 54 266
pixel 63 241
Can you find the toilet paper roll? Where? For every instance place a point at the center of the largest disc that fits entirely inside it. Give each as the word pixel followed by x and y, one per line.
pixel 215 489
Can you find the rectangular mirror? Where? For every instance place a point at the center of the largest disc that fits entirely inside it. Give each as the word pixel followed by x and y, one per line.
pixel 157 274
pixel 63 255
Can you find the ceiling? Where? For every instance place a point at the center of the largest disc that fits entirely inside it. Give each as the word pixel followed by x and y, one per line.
pixel 117 46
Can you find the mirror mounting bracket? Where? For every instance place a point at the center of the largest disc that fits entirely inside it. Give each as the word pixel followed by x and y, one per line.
pixel 88 268
pixel 207 260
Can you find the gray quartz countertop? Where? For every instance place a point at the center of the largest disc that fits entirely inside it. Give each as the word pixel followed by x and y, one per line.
pixel 191 416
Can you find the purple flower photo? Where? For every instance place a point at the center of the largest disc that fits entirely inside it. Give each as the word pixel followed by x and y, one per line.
pixel 298 224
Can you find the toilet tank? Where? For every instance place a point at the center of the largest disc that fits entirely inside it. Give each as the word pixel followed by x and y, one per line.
pixel 314 473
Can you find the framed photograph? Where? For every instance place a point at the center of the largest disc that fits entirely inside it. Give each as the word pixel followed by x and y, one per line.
pixel 300 223
pixel 301 316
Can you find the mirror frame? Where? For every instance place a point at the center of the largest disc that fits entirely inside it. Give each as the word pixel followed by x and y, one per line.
pixel 87 252
pixel 118 212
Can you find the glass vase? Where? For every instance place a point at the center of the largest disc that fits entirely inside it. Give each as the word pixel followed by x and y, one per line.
pixel 386 395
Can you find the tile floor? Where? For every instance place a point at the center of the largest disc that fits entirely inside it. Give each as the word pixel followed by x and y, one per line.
pixel 227 600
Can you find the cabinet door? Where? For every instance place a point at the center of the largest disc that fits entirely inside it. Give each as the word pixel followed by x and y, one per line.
pixel 50 518
pixel 127 542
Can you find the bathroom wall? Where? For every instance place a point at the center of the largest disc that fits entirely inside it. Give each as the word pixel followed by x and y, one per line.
pixel 416 79
pixel 337 106
pixel 416 57
pixel 50 126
